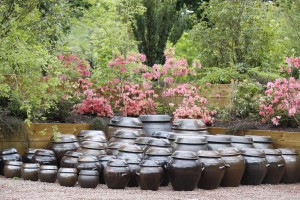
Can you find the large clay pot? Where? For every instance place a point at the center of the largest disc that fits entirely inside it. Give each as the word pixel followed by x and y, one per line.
pixel 44 157
pixel 124 136
pixel 276 166
pixel 88 163
pixel 152 123
pixel 88 178
pixel 90 148
pixel 172 137
pixel 70 159
pixel 213 169
pixel 189 126
pixel 215 142
pixel 262 142
pixel 30 171
pixel 134 166
pixel 235 167
pixel 141 141
pixel 10 154
pixel 12 169
pixel 130 152
pixel 117 174
pixel 96 137
pixel 48 173
pixel 292 161
pixel 103 159
pixel 256 166
pixel 155 142
pixel 241 142
pixel 125 123
pixel 190 143
pixel 29 153
pixel 160 134
pixel 67 177
pixel 83 133
pixel 150 175
pixel 184 170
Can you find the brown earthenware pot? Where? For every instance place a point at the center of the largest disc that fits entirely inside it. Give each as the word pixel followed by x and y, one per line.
pixel 262 142
pixel 12 169
pixel 70 159
pixel 292 162
pixel 48 173
pixel 30 171
pixel 44 157
pixel 103 159
pixel 88 178
pixel 67 177
pixel 152 123
pixel 215 142
pixel 130 152
pixel 125 124
pixel 241 142
pixel 124 136
pixel 90 148
pixel 155 142
pixel 172 137
pixel 95 137
pixel 117 174
pixel 134 166
pixel 88 163
pixel 10 154
pixel 190 143
pixel 29 153
pixel 83 133
pixel 189 126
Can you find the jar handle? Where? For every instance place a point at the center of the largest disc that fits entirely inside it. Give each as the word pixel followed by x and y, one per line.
pixel 124 174
pixel 222 167
pixel 267 165
pixel 175 124
pixel 227 165
pixel 116 118
pixel 203 166
pixel 280 165
pixel 137 173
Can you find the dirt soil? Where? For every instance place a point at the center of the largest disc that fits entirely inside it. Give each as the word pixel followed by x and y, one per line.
pixel 20 189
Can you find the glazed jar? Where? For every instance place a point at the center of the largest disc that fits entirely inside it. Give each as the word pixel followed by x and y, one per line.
pixel 190 143
pixel 235 167
pixel 189 126
pixel 256 166
pixel 124 136
pixel 276 166
pixel 117 174
pixel 12 169
pixel 262 142
pixel 30 171
pixel 153 123
pixel 130 152
pixel 29 153
pixel 103 159
pixel 184 170
pixel 10 154
pixel 48 173
pixel 90 148
pixel 95 137
pixel 88 178
pixel 59 138
pixel 67 177
pixel 161 134
pixel 88 163
pixel 162 156
pixel 141 141
pixel 70 159
pixel 83 133
pixel 44 157
pixel 292 162
pixel 241 142
pixel 149 175
pixel 215 142
pixel 155 142
pixel 125 123
pixel 134 166
pixel 213 169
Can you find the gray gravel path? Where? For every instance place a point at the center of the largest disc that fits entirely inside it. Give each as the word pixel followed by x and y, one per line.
pixel 20 189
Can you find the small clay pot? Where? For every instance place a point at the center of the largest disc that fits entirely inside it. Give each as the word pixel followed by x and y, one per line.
pixel 10 154
pixel 189 126
pixel 124 136
pixel 88 163
pixel 213 169
pixel 30 171
pixel 12 169
pixel 134 166
pixel 150 175
pixel 155 142
pixel 117 174
pixel 130 152
pixel 103 159
pixel 190 143
pixel 276 168
pixel 152 123
pixel 90 148
pixel 160 134
pixel 29 153
pixel 70 159
pixel 44 157
pixel 292 161
pixel 262 142
pixel 184 170
pixel 141 141
pixel 215 142
pixel 88 178
pixel 48 173
pixel 241 142
pixel 83 133
pixel 67 177
pixel 125 124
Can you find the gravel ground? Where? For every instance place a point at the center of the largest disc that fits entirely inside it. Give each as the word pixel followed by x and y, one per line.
pixel 20 189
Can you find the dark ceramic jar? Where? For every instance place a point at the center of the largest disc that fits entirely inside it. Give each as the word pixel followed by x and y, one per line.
pixel 95 137
pixel 83 133
pixel 117 174
pixel 276 166
pixel 184 170
pixel 235 167
pixel 70 159
pixel 90 148
pixel 103 159
pixel 215 142
pixel 153 123
pixel 161 134
pixel 256 166
pixel 124 136
pixel 189 126
pixel 12 169
pixel 29 153
pixel 141 141
pixel 241 142
pixel 126 124
pixel 48 173
pixel 150 175
pixel 130 152
pixel 155 142
pixel 172 137
pixel 213 169
pixel 292 161
pixel 262 142
pixel 67 177
pixel 88 178
pixel 162 156
pixel 44 157
pixel 190 143
pixel 134 166
pixel 88 163
pixel 10 154
pixel 30 171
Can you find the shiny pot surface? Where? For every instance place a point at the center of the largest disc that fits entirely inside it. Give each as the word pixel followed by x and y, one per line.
pixel 12 169
pixel 292 162
pixel 70 159
pixel 117 174
pixel 88 178
pixel 67 177
pixel 30 171
pixel 48 173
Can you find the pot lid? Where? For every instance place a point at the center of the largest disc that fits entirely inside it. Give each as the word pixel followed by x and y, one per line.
pixel 31 151
pixel 93 145
pixel 274 152
pixel 30 165
pixel 287 151
pixel 141 140
pixel 260 139
pixel 117 163
pixel 73 154
pixel 64 138
pixel 95 138
pixel 14 163
pixel 186 155
pixel 126 134
pixel 230 151
pixel 149 163
pixel 44 152
pixel 190 140
pixel 68 170
pixel 160 134
pixel 88 159
pixel 125 122
pixel 83 133
pixel 217 139
pixel 133 161
pixel 155 118
pixel 158 142
pixel 241 139
pixel 115 145
pixel 131 148
pixel 253 152
pixel 208 154
pixel 158 151
pixel 189 125
pixel 89 172
pixel 8 151
pixel 48 167
pixel 106 157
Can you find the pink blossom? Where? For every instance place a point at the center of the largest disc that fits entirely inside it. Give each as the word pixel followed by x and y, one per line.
pixel 218 96
pixel 63 77
pixel 142 57
pixel 275 121
pixel 289 70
